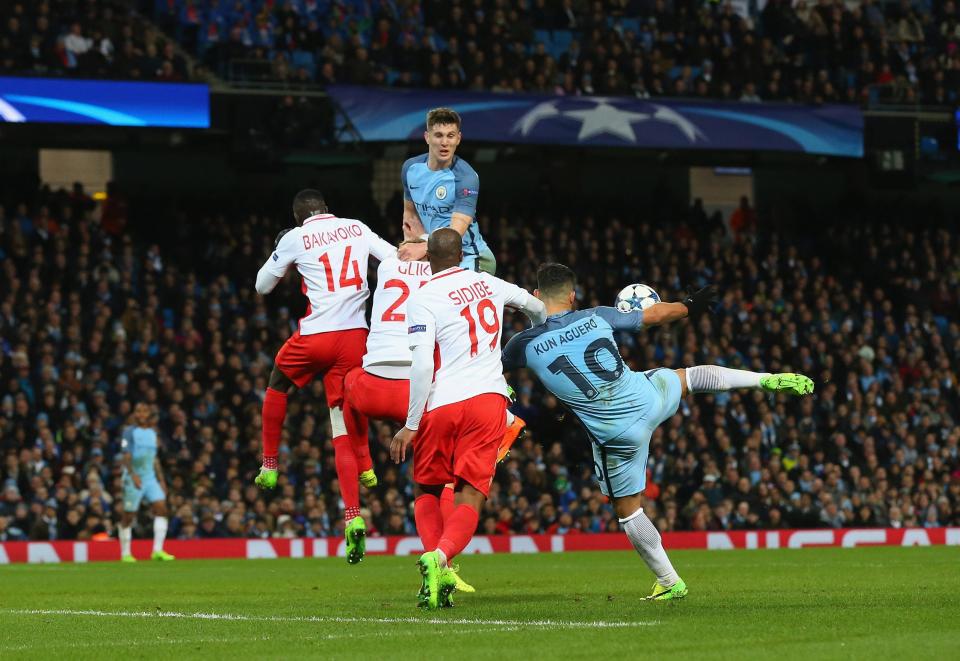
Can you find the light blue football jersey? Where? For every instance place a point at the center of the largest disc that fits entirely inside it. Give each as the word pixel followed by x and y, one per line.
pixel 437 194
pixel 575 356
pixel 141 443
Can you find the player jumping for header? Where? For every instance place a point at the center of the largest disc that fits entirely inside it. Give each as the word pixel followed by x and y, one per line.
pixel 331 255
pixel 440 189
pixel 573 353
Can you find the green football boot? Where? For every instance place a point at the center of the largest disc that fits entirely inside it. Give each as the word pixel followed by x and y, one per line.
pixel 356 535
pixel 676 591
pixel 448 585
pixel 429 595
pixel 795 384
pixel 267 479
pixel 128 558
pixel 462 585
pixel 162 556
pixel 368 479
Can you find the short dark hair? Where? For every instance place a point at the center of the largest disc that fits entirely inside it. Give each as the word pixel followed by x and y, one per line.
pixel 308 202
pixel 442 116
pixel 555 279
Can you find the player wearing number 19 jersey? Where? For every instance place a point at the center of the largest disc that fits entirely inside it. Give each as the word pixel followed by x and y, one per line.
pixel 456 413
pixel 331 255
pixel 380 389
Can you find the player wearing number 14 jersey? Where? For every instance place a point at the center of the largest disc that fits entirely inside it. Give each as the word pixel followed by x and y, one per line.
pixel 331 255
pixel 456 414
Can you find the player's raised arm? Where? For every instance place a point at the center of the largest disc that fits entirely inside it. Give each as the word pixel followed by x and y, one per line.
pixel 693 305
pixel 467 192
pixel 283 255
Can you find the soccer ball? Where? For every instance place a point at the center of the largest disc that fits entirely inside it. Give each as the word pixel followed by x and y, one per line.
pixel 636 297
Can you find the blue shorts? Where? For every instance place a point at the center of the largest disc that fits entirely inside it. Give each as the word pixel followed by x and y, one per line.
pixel 621 463
pixel 485 261
pixel 149 489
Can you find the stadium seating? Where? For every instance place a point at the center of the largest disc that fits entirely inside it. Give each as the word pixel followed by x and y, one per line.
pixel 828 51
pixel 119 318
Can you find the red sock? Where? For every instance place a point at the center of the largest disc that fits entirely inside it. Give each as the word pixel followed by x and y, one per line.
pixel 446 503
pixel 426 512
pixel 458 531
pixel 360 441
pixel 274 412
pixel 347 475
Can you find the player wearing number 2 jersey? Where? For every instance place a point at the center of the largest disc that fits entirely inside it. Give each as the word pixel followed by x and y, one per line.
pixel 456 413
pixel 331 255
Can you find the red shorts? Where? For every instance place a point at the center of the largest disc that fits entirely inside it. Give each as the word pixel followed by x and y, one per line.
pixel 458 442
pixel 376 397
pixel 332 354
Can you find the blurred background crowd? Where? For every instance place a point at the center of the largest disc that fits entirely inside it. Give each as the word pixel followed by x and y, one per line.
pixel 809 51
pixel 98 311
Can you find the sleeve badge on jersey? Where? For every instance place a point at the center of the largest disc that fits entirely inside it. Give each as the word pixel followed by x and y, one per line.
pixel 467 192
pixel 419 328
pixel 276 257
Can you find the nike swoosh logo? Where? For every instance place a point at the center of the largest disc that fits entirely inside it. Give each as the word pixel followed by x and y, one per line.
pixel 412 187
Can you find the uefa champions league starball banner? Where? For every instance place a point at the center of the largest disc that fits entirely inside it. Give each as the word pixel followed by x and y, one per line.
pixel 174 105
pixel 396 115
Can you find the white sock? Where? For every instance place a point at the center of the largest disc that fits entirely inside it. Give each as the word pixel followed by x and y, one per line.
pixel 443 558
pixel 510 418
pixel 159 532
pixel 646 540
pixel 126 534
pixel 713 378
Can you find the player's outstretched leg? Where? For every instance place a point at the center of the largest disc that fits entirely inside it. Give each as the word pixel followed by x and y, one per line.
pixel 788 382
pixel 714 378
pixel 648 543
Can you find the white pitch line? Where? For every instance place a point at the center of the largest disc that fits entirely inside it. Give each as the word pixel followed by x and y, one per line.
pixel 232 617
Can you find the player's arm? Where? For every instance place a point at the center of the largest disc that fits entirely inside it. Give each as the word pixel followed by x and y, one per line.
pixel 284 254
pixel 465 202
pixel 514 353
pixel 412 225
pixel 658 314
pixel 413 228
pixel 158 469
pixel 380 248
pixel 519 298
pixel 422 332
pixel 126 445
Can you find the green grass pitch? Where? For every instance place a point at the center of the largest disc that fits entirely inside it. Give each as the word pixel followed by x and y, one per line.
pixel 812 603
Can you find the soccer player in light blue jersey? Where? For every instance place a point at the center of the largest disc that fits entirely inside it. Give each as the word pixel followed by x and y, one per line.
pixel 575 356
pixel 142 478
pixel 440 189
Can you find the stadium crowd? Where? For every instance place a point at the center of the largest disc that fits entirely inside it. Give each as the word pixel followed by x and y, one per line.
pixel 94 317
pixel 808 51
